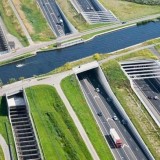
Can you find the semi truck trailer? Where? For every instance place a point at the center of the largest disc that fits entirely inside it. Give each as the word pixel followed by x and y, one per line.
pixel 117 140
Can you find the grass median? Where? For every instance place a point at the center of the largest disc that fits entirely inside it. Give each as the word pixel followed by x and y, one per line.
pixel 57 133
pixel 129 10
pixel 11 22
pixel 73 92
pixel 1 154
pixel 33 19
pixel 5 128
pixel 137 113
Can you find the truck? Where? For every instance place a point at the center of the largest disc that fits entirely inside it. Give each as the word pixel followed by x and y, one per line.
pixel 116 139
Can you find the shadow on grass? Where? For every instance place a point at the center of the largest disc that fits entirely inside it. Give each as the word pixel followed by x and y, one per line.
pixel 3 107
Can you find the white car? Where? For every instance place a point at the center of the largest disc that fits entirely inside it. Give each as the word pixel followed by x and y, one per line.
pixel 97 90
pixel 115 118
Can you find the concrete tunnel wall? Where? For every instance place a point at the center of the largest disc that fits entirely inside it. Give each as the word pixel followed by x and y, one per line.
pixel 118 106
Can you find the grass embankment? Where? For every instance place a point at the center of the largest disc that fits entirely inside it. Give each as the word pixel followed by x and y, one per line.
pixel 129 10
pixel 5 128
pixel 18 58
pixel 1 154
pixel 72 91
pixel 137 113
pixel 58 135
pixel 11 22
pixel 76 19
pixel 158 47
pixel 34 20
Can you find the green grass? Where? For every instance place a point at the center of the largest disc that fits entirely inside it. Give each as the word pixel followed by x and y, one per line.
pixel 41 30
pixel 5 128
pixel 120 85
pixel 1 154
pixel 18 58
pixel 58 135
pixel 11 22
pixel 158 47
pixel 76 19
pixel 129 10
pixel 72 91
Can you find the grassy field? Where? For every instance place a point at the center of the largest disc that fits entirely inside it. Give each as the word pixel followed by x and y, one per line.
pixel 58 135
pixel 72 91
pixel 76 19
pixel 128 10
pixel 158 48
pixel 34 20
pixel 11 22
pixel 133 107
pixel 1 154
pixel 5 128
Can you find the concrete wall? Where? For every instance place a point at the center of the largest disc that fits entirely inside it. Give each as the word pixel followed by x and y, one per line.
pixel 118 106
pixel 70 26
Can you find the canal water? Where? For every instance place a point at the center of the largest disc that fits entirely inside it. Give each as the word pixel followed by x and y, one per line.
pixel 46 61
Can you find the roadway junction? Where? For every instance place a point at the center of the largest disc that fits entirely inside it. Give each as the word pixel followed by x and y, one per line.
pixel 144 76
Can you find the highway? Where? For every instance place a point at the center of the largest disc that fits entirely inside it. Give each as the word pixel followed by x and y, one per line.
pixel 151 88
pixel 54 18
pixel 101 102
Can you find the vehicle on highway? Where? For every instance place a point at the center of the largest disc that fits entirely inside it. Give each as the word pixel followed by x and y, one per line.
pixel 155 97
pixel 117 140
pixel 99 114
pixel 115 118
pixel 149 97
pixel 97 90
pixel 124 122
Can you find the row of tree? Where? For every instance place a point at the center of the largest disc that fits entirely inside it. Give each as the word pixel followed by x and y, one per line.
pixel 151 2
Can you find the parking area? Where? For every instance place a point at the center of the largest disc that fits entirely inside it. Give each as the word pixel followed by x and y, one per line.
pixel 54 17
pixel 107 117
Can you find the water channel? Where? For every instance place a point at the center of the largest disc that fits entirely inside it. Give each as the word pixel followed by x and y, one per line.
pixel 46 61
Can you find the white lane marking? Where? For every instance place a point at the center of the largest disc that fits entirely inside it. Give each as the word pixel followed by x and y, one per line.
pixel 104 117
pixel 101 123
pixel 109 114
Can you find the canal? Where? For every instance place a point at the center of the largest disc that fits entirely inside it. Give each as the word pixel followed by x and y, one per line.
pixel 46 61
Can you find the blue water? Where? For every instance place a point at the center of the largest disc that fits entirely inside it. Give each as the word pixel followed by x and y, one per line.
pixel 47 61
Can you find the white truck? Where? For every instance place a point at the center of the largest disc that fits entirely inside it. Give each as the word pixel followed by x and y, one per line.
pixel 117 140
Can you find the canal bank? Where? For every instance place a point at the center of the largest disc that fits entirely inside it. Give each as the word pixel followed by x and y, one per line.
pixel 46 61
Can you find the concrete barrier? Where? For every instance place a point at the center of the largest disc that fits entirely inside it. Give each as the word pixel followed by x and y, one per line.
pixel 120 109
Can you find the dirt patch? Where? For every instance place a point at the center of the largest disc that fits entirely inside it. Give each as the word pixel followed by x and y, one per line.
pixel 29 27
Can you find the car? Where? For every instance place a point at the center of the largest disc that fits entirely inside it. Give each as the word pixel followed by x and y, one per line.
pixel 115 118
pixel 155 97
pixel 97 90
pixel 99 114
pixel 149 97
pixel 124 122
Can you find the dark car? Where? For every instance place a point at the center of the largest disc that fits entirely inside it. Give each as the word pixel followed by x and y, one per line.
pixel 149 97
pixel 99 114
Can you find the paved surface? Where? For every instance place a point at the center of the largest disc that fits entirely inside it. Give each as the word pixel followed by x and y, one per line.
pixel 54 80
pixel 21 23
pixel 36 47
pixel 150 88
pixel 5 148
pixel 101 102
pixel 53 16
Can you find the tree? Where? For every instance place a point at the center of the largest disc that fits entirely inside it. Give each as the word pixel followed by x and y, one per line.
pixel 97 56
pixel 12 80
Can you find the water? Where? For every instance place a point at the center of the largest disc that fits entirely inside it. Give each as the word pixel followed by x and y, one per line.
pixel 47 61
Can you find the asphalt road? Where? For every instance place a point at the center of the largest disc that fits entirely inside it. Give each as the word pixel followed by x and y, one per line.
pixel 86 5
pixel 150 88
pixel 53 16
pixel 100 102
